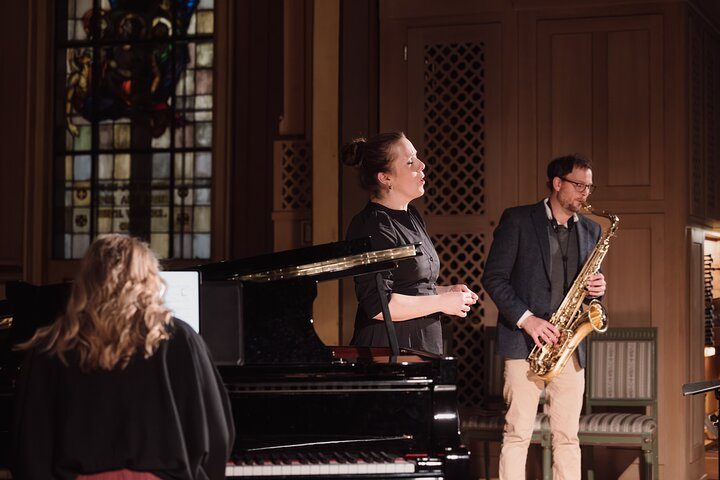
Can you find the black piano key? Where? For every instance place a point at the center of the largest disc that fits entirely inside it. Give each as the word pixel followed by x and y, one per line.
pixel 312 456
pixel 377 457
pixel 387 457
pixel 303 458
pixel 366 457
pixel 350 457
pixel 339 457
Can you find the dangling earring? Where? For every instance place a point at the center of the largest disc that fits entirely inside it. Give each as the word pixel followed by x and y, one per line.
pixel 389 186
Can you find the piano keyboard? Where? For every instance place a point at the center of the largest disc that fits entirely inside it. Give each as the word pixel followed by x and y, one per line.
pixel 311 464
pixel 316 464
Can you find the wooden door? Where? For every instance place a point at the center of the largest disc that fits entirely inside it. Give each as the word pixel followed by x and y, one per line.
pixel 441 84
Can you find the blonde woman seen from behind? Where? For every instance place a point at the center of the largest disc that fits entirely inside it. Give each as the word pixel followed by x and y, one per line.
pixel 116 386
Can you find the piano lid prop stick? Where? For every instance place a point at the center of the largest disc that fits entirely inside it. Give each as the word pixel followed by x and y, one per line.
pixel 389 326
pixel 373 440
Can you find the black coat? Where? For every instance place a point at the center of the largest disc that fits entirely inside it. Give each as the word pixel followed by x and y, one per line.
pixel 517 272
pixel 168 415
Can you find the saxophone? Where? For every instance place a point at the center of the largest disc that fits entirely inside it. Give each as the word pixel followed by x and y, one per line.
pixel 548 361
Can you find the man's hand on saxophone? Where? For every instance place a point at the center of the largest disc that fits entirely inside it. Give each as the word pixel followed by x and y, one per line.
pixel 545 333
pixel 541 331
pixel 596 285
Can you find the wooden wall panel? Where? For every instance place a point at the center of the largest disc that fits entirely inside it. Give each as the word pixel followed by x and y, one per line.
pixel 223 131
pixel 628 126
pixel 358 117
pixel 628 269
pixel 634 271
pixel 13 35
pixel 696 40
pixel 599 92
pixel 257 106
pixel 570 100
pixel 325 161
pixel 295 39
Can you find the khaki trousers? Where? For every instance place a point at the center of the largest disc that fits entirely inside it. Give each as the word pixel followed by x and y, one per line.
pixel 563 404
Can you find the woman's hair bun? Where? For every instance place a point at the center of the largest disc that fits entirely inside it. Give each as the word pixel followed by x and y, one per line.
pixel 351 153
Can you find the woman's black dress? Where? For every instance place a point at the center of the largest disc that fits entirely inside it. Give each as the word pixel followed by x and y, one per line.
pixel 390 228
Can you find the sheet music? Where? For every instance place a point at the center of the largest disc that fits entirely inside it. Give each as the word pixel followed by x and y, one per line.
pixel 182 296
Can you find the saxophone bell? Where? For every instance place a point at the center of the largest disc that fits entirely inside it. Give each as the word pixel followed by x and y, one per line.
pixel 597 316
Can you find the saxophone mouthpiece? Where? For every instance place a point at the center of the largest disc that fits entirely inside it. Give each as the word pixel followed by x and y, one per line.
pixel 587 207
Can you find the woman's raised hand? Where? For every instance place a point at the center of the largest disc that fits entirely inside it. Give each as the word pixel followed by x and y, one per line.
pixel 456 300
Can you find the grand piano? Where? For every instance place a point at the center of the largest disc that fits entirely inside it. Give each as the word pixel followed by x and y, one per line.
pixel 301 409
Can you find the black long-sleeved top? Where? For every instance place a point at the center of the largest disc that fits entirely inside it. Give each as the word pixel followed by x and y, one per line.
pixel 390 228
pixel 168 414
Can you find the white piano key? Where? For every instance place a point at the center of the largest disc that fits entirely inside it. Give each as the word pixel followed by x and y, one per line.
pixel 362 467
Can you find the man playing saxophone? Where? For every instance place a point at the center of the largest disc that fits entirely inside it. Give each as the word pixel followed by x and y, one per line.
pixel 534 260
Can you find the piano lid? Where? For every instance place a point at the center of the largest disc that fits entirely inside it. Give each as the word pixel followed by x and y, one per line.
pixel 322 262
pixel 335 265
pixel 259 310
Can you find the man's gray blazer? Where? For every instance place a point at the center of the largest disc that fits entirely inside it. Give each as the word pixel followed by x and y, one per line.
pixel 517 272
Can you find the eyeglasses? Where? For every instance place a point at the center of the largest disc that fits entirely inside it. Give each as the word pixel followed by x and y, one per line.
pixel 580 187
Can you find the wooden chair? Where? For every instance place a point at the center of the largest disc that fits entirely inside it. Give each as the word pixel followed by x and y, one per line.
pixel 621 372
pixel 486 423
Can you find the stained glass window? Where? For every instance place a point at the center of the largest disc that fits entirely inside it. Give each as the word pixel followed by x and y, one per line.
pixel 133 124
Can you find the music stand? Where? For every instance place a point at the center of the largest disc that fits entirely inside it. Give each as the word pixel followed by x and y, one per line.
pixel 703 387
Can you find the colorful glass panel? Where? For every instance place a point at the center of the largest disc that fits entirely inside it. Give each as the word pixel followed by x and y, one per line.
pixel 134 139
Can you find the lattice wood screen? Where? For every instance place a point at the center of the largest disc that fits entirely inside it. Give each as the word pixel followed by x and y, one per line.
pixel 292 194
pixel 454 133
pixel 462 257
pixel 453 144
pixel 293 186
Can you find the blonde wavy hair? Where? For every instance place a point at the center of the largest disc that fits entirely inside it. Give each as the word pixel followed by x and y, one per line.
pixel 115 309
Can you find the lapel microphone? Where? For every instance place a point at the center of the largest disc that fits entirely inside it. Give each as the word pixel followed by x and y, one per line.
pixel 555 226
